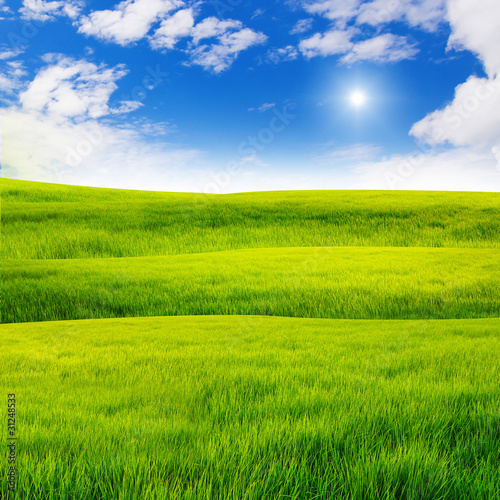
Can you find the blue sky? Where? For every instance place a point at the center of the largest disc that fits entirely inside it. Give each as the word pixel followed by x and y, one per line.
pixel 239 95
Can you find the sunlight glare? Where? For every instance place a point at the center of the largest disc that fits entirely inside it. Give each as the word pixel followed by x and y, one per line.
pixel 357 98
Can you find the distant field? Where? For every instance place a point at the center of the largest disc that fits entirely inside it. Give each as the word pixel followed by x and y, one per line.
pixel 256 407
pixel 355 283
pixel 46 221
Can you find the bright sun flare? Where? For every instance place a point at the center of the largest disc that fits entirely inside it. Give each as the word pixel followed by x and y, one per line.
pixel 357 98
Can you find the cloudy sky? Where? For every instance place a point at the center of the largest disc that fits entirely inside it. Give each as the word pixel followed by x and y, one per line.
pixel 244 95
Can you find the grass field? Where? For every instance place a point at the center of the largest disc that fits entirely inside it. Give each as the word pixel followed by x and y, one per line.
pixel 353 283
pixel 46 221
pixel 289 345
pixel 256 407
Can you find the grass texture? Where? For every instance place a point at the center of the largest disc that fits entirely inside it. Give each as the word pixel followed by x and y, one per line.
pixel 354 283
pixel 255 407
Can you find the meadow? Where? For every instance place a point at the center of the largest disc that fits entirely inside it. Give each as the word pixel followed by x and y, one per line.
pixel 324 282
pixel 288 345
pixel 47 221
pixel 249 407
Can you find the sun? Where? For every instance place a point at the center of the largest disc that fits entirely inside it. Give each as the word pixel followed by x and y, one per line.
pixel 357 98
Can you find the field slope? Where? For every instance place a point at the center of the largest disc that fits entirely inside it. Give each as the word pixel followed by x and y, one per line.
pixel 325 282
pixel 47 221
pixel 290 345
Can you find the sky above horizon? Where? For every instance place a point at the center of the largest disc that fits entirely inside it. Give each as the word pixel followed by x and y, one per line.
pixel 221 96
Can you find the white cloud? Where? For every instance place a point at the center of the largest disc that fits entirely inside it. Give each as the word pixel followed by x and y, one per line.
pixel 173 29
pixel 288 53
pixel 4 9
pixel 154 129
pixel 348 18
pixel 70 89
pixel 382 48
pixel 213 27
pixel 5 84
pixel 327 44
pixel 339 11
pixel 425 14
pixel 264 107
pixel 230 38
pixel 218 57
pixel 90 153
pixel 12 79
pixel 129 22
pixel 126 107
pixel 476 26
pixel 258 13
pixel 43 10
pixel 181 24
pixel 472 119
pixel 9 53
pixel 301 26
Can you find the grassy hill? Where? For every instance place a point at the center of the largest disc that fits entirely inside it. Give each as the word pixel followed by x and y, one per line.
pixel 46 221
pixel 324 282
pixel 382 382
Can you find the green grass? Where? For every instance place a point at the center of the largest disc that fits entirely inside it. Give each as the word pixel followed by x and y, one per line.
pixel 223 401
pixel 46 221
pixel 255 407
pixel 354 283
